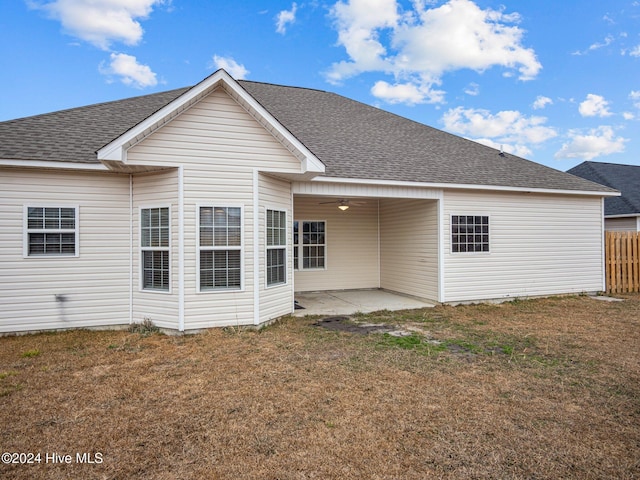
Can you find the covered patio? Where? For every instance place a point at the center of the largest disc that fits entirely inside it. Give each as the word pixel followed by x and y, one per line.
pixel 348 302
pixel 378 253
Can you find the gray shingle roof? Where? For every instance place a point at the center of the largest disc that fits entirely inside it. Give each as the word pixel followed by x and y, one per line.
pixel 75 135
pixel 352 139
pixel 625 178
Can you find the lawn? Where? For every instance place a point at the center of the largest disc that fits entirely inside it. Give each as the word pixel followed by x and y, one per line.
pixel 546 388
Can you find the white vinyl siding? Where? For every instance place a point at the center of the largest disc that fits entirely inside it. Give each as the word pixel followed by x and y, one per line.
pixel 351 253
pixel 51 292
pixel 623 224
pixel 540 245
pixel 276 300
pixel 51 231
pixel 219 145
pixel 154 190
pixel 409 247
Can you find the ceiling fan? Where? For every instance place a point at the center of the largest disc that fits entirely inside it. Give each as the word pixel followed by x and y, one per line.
pixel 345 203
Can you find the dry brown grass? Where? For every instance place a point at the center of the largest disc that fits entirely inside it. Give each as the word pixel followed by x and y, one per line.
pixel 531 389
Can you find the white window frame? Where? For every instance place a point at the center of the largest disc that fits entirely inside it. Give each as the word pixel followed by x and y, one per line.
pixel 200 248
pixel 142 249
pixel 27 231
pixel 474 252
pixel 282 246
pixel 299 265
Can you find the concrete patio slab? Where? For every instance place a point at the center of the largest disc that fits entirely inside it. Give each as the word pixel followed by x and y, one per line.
pixel 347 302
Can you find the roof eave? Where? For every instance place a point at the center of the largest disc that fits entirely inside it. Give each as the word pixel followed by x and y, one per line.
pixel 456 186
pixel 12 162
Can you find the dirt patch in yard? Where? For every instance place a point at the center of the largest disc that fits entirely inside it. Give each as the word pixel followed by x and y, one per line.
pixel 538 389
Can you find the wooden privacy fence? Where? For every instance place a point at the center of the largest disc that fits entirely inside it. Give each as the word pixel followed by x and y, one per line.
pixel 622 256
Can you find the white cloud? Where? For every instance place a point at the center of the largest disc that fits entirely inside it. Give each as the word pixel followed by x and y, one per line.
pixel 420 45
pixel 473 89
pixel 100 22
pixel 232 67
pixel 594 106
pixel 285 17
pixel 130 71
pixel 628 115
pixel 596 46
pixel 594 143
pixel 407 93
pixel 541 102
pixel 505 127
pixel 635 98
pixel 635 51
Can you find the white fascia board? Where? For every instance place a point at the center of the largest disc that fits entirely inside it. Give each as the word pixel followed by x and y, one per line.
pixel 627 215
pixel 53 164
pixel 456 186
pixel 116 150
pixel 310 162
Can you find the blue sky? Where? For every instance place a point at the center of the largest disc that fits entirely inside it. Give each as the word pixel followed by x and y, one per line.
pixel 557 82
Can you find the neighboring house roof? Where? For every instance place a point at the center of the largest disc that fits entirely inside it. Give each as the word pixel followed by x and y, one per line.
pixel 353 140
pixel 625 178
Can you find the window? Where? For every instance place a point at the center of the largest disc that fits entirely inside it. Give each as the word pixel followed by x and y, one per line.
pixel 276 247
pixel 154 241
pixel 309 244
pixel 469 233
pixel 220 246
pixel 52 231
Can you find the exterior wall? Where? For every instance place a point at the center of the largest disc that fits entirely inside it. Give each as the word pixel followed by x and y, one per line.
pixel 152 191
pixel 409 247
pixel 95 284
pixel 276 300
pixel 625 224
pixel 219 146
pixel 539 245
pixel 351 249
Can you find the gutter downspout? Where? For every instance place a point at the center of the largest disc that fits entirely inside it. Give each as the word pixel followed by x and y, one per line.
pixel 130 249
pixel 256 248
pixel 603 259
pixel 441 235
pixel 181 248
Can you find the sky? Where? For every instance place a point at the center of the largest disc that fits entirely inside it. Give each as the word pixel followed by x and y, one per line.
pixel 554 81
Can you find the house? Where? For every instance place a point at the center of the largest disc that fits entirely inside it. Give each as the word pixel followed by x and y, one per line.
pixel 621 213
pixel 212 205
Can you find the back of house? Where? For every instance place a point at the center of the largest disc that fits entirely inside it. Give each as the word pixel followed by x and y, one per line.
pixel 213 205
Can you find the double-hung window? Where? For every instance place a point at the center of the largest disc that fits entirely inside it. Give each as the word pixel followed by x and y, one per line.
pixel 309 242
pixel 52 231
pixel 469 233
pixel 154 243
pixel 220 248
pixel 276 247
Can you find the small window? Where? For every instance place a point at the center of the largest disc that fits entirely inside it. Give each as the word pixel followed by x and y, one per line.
pixel 276 247
pixel 309 245
pixel 52 231
pixel 220 247
pixel 469 233
pixel 154 242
